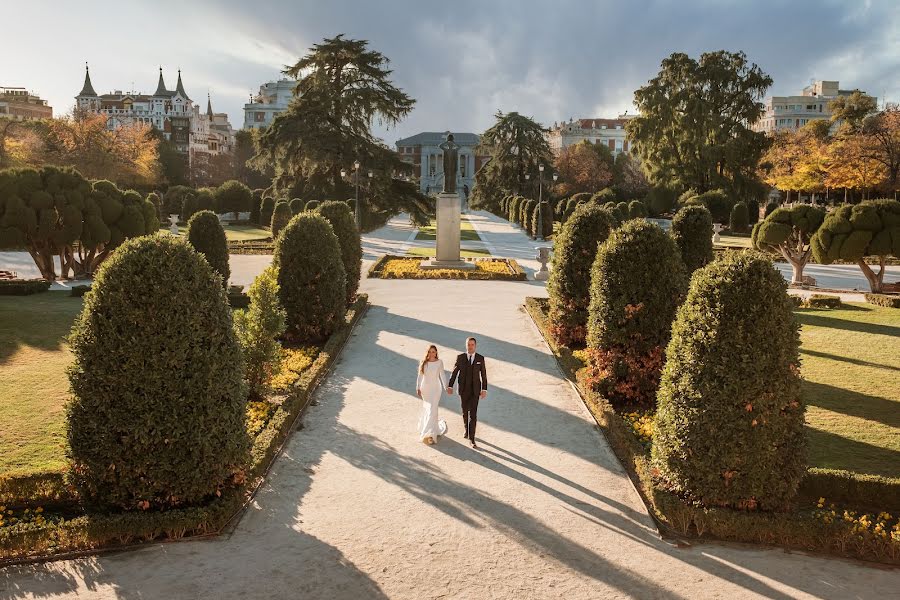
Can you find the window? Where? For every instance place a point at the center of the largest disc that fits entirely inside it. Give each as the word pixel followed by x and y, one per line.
pixel 259 117
pixel 462 165
pixel 612 144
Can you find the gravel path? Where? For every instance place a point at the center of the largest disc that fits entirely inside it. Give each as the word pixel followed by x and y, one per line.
pixel 358 508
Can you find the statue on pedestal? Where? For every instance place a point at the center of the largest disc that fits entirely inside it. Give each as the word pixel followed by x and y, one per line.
pixel 451 164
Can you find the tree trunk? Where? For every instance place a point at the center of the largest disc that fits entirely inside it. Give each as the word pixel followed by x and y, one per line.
pixel 43 260
pixel 876 280
pixel 797 264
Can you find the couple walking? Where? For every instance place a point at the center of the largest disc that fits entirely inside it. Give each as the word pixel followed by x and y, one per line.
pixel 431 382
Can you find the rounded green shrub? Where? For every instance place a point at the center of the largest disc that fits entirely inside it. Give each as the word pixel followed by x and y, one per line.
pixel 719 204
pixel 280 217
pixel 514 209
pixel 255 206
pixel 297 206
pixel 312 205
pixel 574 250
pixel 660 201
pixel 603 196
pixel 206 199
pixel 188 208
pixel 692 230
pixel 341 219
pixel 729 426
pixel 739 221
pixel 311 278
pixel 265 210
pixel 527 213
pixel 753 211
pixel 158 408
pixel 637 283
pixel 770 208
pixel 637 210
pixel 173 199
pixel 205 234
pixel 234 197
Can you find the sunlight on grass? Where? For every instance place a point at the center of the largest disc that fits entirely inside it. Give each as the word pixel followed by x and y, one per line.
pixel 474 253
pixel 235 233
pixel 467 232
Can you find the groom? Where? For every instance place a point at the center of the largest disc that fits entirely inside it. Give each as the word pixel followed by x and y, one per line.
pixel 472 385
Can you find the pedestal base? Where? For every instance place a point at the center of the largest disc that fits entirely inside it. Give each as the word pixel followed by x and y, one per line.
pixel 448 222
pixel 447 264
pixel 542 275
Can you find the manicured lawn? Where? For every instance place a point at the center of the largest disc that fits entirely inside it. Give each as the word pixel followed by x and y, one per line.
pixel 851 371
pixel 734 241
pixel 476 253
pixel 33 382
pixel 466 231
pixel 236 233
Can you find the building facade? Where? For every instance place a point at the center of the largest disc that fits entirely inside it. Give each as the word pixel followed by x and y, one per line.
pixel 424 153
pixel 608 132
pixel 273 98
pixel 212 146
pixel 793 112
pixel 19 104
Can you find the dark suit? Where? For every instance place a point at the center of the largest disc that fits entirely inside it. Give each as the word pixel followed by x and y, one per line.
pixel 472 380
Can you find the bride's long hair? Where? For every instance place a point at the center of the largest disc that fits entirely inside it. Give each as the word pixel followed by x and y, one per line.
pixel 425 360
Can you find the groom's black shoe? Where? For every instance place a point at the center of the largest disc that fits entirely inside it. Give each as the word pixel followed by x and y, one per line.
pixel 475 446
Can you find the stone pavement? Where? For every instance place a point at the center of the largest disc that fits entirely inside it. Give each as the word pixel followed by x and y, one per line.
pixel 357 507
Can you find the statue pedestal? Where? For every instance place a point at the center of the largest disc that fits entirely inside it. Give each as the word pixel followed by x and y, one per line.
pixel 448 222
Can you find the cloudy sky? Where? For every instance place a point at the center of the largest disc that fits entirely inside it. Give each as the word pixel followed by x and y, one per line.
pixel 462 60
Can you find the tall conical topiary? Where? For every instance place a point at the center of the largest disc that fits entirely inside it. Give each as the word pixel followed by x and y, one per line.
pixel 297 206
pixel 692 230
pixel 205 234
pixel 340 217
pixel 739 221
pixel 266 208
pixel 637 282
pixel 569 286
pixel 157 417
pixel 280 217
pixel 729 424
pixel 311 278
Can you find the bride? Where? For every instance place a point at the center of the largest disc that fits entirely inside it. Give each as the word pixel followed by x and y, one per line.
pixel 430 384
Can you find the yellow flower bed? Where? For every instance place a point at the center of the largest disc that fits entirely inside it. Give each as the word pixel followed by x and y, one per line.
pixel 258 413
pixel 642 426
pixel 25 519
pixel 293 362
pixel 395 267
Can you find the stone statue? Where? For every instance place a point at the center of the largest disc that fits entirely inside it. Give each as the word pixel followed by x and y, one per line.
pixel 451 164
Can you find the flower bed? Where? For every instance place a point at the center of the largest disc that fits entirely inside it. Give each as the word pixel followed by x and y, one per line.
pixel 404 267
pixel 64 528
pixel 869 529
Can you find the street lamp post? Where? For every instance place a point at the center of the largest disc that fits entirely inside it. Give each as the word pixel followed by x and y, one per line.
pixel 356 171
pixel 540 223
pixel 527 178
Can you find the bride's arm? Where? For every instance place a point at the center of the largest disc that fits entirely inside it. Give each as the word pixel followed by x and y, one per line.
pixel 419 378
pixel 442 374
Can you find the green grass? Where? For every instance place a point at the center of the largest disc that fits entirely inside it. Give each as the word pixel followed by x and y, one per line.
pixel 467 232
pixel 734 241
pixel 474 253
pixel 33 382
pixel 851 371
pixel 235 233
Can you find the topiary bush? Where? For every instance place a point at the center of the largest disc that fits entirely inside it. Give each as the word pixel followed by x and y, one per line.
pixel 637 283
pixel 280 217
pixel 729 425
pixel 603 196
pixel 574 202
pixel 342 222
pixel 206 199
pixel 527 212
pixel 234 197
pixel 637 210
pixel 255 206
pixel 205 234
pixel 173 200
pixel 692 231
pixel 311 277
pixel 514 209
pixel 660 201
pixel 546 228
pixel 265 211
pixel 719 204
pixel 739 221
pixel 574 250
pixel 297 206
pixel 258 329
pixel 753 211
pixel 157 412
pixel 770 208
pixel 312 205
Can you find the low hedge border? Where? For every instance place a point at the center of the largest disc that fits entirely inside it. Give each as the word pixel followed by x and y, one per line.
pixel 92 533
pixel 23 287
pixel 822 301
pixel 516 272
pixel 251 247
pixel 885 300
pixel 797 530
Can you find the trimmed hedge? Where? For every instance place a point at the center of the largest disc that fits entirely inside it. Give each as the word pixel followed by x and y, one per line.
pixel 637 282
pixel 297 206
pixel 822 301
pixel 280 218
pixel 718 203
pixel 569 284
pixel 23 287
pixel 340 217
pixel 739 220
pixel 311 276
pixel 255 206
pixel 729 431
pixel 637 210
pixel 514 209
pixel 660 201
pixel 603 196
pixel 157 414
pixel 313 205
pixel 753 211
pixel 883 300
pixel 266 208
pixel 546 221
pixel 527 212
pixel 770 208
pixel 205 234
pixel 692 230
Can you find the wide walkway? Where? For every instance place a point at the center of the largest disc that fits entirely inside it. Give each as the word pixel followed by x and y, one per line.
pixel 358 508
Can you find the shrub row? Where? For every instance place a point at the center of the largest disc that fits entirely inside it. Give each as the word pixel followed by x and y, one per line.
pixel 883 300
pixel 23 287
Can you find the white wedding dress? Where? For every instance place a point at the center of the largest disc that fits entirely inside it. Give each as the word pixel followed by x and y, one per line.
pixel 432 382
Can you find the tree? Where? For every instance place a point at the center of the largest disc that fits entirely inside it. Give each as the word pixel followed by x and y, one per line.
pixel 173 163
pixel 245 148
pixel 797 160
pixel 516 145
pixel 693 129
pixel 883 134
pixel 853 109
pixel 852 164
pixel 692 231
pixel 729 428
pixel 788 231
pixel 234 197
pixel 852 233
pixel 344 86
pixel 629 180
pixel 206 236
pixel 258 329
pixel 582 167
